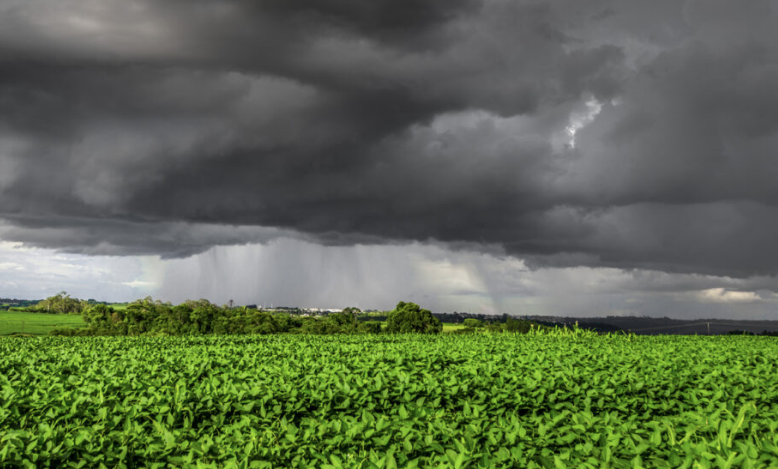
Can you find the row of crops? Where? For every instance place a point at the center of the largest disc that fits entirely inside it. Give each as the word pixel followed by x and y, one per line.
pixel 472 401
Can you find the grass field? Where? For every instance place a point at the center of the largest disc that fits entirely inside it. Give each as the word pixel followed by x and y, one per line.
pixel 377 402
pixel 14 322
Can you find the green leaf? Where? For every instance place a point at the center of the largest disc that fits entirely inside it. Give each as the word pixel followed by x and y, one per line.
pixel 391 463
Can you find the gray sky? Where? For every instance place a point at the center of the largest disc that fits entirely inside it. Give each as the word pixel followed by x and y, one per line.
pixel 529 157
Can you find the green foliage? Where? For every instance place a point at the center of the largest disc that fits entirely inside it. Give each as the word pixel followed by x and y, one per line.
pixel 370 327
pixel 345 321
pixel 150 317
pixel 352 311
pixel 61 303
pixel 411 318
pixel 473 323
pixel 494 328
pixel 517 326
pixel 69 332
pixel 551 399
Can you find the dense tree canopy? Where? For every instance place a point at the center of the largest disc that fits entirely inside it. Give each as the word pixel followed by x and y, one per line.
pixel 150 317
pixel 473 323
pixel 411 318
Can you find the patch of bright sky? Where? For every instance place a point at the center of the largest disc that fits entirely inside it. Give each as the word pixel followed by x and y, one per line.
pixel 721 295
pixel 27 273
pixel 579 119
pixel 524 126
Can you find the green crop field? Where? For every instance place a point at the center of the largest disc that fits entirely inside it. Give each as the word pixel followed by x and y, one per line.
pixel 16 322
pixel 381 401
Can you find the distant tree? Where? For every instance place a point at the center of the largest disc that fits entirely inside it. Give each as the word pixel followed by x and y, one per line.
pixel 411 318
pixel 517 326
pixel 473 323
pixel 495 328
pixel 262 322
pixel 146 315
pixel 345 320
pixel 61 303
pixel 370 327
pixel 324 326
pixel 352 311
pixel 98 315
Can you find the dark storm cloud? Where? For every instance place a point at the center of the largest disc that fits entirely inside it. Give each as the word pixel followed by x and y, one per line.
pixel 622 134
pixel 122 237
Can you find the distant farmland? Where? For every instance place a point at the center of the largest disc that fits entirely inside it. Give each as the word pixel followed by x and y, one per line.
pixel 16 322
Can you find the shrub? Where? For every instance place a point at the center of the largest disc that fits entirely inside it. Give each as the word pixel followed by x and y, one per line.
pixel 473 323
pixel 370 327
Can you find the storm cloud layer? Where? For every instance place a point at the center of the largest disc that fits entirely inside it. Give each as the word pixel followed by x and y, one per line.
pixel 625 134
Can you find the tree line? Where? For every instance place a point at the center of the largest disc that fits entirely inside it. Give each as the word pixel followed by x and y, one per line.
pixel 61 303
pixel 152 317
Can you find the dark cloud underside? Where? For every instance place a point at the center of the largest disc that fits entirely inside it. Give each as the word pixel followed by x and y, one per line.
pixel 616 133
